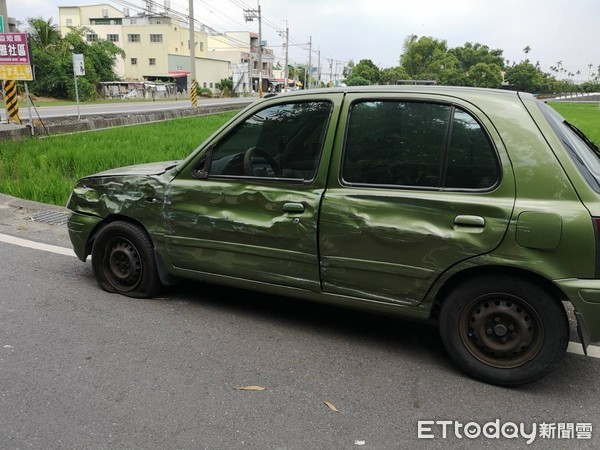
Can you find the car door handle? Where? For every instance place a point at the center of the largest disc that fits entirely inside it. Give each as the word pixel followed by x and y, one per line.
pixel 469 221
pixel 293 207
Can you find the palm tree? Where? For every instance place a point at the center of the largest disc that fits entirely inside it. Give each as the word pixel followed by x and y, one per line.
pixel 43 33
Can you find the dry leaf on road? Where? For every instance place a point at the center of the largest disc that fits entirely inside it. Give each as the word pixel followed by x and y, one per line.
pixel 250 388
pixel 331 406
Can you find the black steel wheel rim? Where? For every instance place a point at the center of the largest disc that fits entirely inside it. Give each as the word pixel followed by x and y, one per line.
pixel 501 330
pixel 122 264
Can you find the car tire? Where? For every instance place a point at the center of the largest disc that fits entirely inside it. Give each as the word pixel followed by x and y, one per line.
pixel 123 261
pixel 504 330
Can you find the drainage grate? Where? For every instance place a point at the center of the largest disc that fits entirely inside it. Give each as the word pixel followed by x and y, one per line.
pixel 50 217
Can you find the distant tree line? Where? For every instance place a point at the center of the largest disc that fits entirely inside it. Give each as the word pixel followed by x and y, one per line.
pixel 428 58
pixel 422 58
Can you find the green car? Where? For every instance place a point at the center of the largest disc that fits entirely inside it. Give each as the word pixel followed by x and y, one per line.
pixel 477 209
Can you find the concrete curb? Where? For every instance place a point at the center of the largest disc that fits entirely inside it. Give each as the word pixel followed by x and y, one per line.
pixel 57 126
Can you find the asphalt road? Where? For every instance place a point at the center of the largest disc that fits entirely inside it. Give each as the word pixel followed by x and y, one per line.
pixel 80 368
pixel 123 107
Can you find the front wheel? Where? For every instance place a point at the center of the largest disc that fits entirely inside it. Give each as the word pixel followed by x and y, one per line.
pixel 504 330
pixel 123 261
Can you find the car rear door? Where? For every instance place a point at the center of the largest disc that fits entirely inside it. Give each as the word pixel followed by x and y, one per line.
pixel 419 184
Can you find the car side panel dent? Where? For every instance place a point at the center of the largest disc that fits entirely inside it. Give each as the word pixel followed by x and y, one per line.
pixel 244 229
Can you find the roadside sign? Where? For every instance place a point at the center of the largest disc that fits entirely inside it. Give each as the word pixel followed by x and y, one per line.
pixel 13 49
pixel 19 72
pixel 78 65
pixel 1 24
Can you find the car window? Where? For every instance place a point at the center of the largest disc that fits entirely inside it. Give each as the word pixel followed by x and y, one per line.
pixel 417 144
pixel 582 150
pixel 281 141
pixel 472 161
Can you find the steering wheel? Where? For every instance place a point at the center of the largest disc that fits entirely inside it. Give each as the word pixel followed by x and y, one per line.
pixel 256 151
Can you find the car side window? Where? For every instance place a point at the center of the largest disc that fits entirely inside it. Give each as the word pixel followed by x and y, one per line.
pixel 417 144
pixel 281 141
pixel 472 161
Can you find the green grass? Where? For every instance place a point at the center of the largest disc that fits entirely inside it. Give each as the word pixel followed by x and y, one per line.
pixel 45 170
pixel 585 116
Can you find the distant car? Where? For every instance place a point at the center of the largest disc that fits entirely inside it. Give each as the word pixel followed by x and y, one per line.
pixel 478 209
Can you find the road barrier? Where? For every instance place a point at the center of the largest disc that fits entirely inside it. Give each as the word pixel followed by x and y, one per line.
pixel 12 104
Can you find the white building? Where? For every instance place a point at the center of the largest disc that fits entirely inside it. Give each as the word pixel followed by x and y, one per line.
pixel 241 48
pixel 156 45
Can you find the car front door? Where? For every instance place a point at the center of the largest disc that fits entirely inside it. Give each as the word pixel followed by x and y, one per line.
pixel 247 207
pixel 420 187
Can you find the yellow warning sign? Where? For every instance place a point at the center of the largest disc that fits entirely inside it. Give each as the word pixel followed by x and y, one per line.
pixel 21 72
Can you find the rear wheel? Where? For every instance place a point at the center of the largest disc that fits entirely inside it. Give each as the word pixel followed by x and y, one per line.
pixel 123 260
pixel 504 330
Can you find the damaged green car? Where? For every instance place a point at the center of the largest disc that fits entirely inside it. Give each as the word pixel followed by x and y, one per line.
pixel 477 209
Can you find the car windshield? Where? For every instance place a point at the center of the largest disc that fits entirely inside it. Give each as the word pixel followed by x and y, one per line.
pixel 585 153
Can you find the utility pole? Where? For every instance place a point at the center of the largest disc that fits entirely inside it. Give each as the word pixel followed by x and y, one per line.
pixel 260 50
pixel 286 68
pixel 249 16
pixel 331 72
pixel 309 62
pixel 319 69
pixel 193 93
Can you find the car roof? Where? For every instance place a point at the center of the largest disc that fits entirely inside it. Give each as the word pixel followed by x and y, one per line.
pixel 413 89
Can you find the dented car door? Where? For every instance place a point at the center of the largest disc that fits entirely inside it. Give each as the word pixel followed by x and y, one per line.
pixel 248 208
pixel 420 187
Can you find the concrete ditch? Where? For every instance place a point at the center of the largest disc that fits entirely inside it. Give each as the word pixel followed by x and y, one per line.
pixel 64 125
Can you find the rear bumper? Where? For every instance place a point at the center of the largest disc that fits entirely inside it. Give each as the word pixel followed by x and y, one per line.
pixel 585 297
pixel 80 228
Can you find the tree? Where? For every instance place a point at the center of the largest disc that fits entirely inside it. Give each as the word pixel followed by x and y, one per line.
pixel 425 57
pixel 52 57
pixel 366 69
pixel 525 77
pixel 357 81
pixel 43 33
pixel 452 77
pixel 392 75
pixel 471 54
pixel 484 75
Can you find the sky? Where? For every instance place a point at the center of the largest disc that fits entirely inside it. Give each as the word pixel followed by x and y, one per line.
pixel 344 30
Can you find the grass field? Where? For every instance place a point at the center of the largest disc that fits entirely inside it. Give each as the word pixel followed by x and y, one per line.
pixel 585 116
pixel 45 170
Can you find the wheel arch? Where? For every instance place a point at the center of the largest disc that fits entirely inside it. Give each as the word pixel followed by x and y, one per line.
pixel 476 272
pixel 166 278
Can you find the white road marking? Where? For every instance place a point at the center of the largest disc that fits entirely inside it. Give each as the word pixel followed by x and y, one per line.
pixel 573 347
pixel 36 245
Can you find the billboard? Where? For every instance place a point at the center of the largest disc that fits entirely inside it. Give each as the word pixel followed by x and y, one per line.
pixel 13 49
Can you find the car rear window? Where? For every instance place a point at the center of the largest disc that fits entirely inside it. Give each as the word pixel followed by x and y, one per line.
pixel 585 154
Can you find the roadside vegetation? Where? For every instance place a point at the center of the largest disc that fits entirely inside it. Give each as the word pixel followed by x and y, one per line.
pixel 45 170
